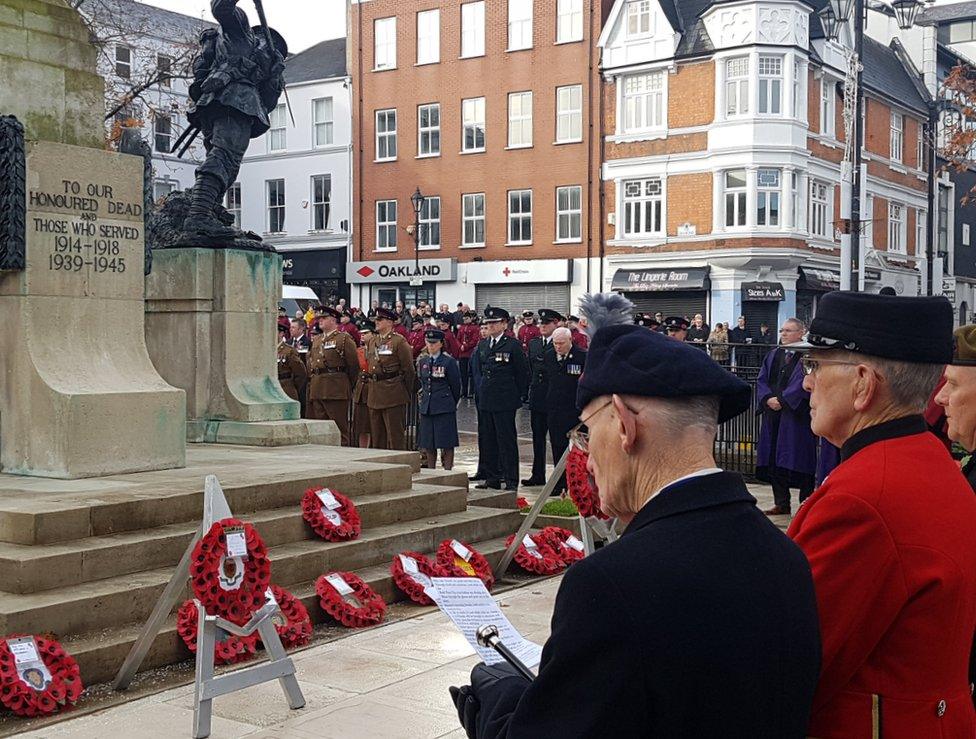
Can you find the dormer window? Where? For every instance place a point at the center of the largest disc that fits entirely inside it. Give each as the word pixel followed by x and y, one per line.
pixel 638 17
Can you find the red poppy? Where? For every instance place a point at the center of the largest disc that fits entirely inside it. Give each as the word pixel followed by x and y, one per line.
pixel 296 631
pixel 404 580
pixel 361 607
pixel 63 690
pixel 231 587
pixel 228 651
pixel 578 484
pixel 564 542
pixel 541 559
pixel 462 560
pixel 347 527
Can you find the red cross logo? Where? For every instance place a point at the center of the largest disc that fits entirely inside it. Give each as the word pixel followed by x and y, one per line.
pixel 365 270
pixel 506 271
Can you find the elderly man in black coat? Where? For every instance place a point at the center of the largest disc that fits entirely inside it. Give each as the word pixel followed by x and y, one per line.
pixel 701 620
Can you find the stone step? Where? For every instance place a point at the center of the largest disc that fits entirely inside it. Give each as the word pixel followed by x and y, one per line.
pixel 493 498
pixel 100 654
pixel 450 478
pixel 103 604
pixel 31 569
pixel 51 511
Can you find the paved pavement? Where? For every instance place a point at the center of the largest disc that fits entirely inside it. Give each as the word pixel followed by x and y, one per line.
pixel 390 682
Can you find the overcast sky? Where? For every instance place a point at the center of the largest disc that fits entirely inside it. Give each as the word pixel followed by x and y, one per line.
pixel 301 22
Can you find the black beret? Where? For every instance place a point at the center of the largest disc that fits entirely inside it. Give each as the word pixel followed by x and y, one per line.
pixel 915 329
pixel 676 323
pixel 546 315
pixel 496 314
pixel 326 310
pixel 629 360
pixel 445 317
pixel 434 334
pixel 282 328
pixel 387 313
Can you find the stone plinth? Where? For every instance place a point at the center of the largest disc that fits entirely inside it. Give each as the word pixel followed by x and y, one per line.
pixel 210 328
pixel 79 396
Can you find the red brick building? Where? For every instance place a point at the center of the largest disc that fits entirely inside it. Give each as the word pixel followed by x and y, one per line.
pixel 723 142
pixel 491 110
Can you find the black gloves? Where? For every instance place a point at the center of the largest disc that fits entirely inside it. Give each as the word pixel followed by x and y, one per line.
pixel 467 707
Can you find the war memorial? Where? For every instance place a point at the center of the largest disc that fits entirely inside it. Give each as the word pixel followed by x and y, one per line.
pixel 131 374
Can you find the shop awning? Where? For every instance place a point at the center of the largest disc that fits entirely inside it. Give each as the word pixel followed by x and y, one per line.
pixel 819 279
pixel 657 280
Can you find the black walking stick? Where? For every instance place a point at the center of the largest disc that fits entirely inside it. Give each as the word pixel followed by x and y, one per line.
pixel 487 636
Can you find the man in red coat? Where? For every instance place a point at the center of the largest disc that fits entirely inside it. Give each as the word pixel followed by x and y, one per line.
pixel 444 324
pixel 890 533
pixel 468 336
pixel 528 330
pixel 348 327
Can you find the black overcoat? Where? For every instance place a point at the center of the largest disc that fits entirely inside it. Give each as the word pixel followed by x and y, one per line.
pixel 504 375
pixel 699 622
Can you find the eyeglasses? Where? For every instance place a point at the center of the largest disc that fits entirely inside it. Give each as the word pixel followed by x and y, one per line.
pixel 811 365
pixel 579 438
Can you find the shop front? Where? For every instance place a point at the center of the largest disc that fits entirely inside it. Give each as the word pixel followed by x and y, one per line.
pixel 676 291
pixel 403 280
pixel 323 270
pixel 760 304
pixel 522 284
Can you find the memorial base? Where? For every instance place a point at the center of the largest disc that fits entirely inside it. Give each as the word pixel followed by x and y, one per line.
pixel 210 329
pixel 264 433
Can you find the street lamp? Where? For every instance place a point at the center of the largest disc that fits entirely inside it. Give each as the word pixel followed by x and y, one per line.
pixel 905 12
pixel 417 199
pixel 829 22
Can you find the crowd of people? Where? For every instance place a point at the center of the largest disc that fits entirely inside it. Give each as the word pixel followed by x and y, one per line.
pixel 361 370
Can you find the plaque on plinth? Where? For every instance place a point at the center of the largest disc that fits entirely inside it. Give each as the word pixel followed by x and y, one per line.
pixel 79 396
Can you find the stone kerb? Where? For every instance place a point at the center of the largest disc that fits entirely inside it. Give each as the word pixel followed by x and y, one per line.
pixel 80 396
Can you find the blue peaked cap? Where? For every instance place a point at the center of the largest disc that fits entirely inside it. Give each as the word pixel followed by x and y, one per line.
pixel 631 360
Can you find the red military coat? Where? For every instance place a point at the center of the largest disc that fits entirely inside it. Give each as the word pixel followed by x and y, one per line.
pixel 527 332
pixel 891 540
pixel 468 336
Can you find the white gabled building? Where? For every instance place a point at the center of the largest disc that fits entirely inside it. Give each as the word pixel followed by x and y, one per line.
pixel 295 185
pixel 145 56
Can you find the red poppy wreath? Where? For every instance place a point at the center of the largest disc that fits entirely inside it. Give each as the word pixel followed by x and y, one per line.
pixel 578 484
pixel 37 677
pixel 230 570
pixel 331 515
pixel 461 560
pixel 412 572
pixel 569 548
pixel 349 600
pixel 293 625
pixel 536 556
pixel 228 651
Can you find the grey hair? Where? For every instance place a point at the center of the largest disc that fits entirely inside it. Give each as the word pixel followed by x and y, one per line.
pixel 910 384
pixel 562 333
pixel 605 309
pixel 797 322
pixel 680 415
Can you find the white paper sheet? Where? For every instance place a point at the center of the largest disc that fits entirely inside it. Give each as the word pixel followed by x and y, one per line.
pixel 236 543
pixel 328 499
pixel 467 602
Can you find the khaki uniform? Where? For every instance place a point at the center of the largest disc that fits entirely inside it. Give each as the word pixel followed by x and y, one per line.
pixel 391 385
pixel 332 367
pixel 360 409
pixel 292 374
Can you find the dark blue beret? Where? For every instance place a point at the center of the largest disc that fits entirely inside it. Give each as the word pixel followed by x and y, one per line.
pixel 909 329
pixel 434 334
pixel 630 360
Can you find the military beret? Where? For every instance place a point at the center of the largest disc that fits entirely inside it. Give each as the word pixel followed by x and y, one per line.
pixel 527 314
pixel 964 346
pixel 471 314
pixel 906 329
pixel 434 334
pixel 575 319
pixel 676 323
pixel 387 313
pixel 547 315
pixel 629 360
pixel 282 328
pixel 445 317
pixel 327 310
pixel 496 314
pixel 646 320
pixel 367 327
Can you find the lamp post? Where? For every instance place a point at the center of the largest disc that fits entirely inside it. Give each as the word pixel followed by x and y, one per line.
pixel 417 200
pixel 841 11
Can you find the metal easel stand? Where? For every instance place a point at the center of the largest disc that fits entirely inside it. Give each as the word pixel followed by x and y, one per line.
pixel 210 630
pixel 588 526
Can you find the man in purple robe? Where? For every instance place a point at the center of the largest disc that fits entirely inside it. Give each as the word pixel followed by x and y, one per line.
pixel 787 447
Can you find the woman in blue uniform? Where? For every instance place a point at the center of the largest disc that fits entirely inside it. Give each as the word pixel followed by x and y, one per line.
pixel 440 391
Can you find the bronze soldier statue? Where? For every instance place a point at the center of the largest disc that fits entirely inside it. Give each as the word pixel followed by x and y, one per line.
pixel 237 80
